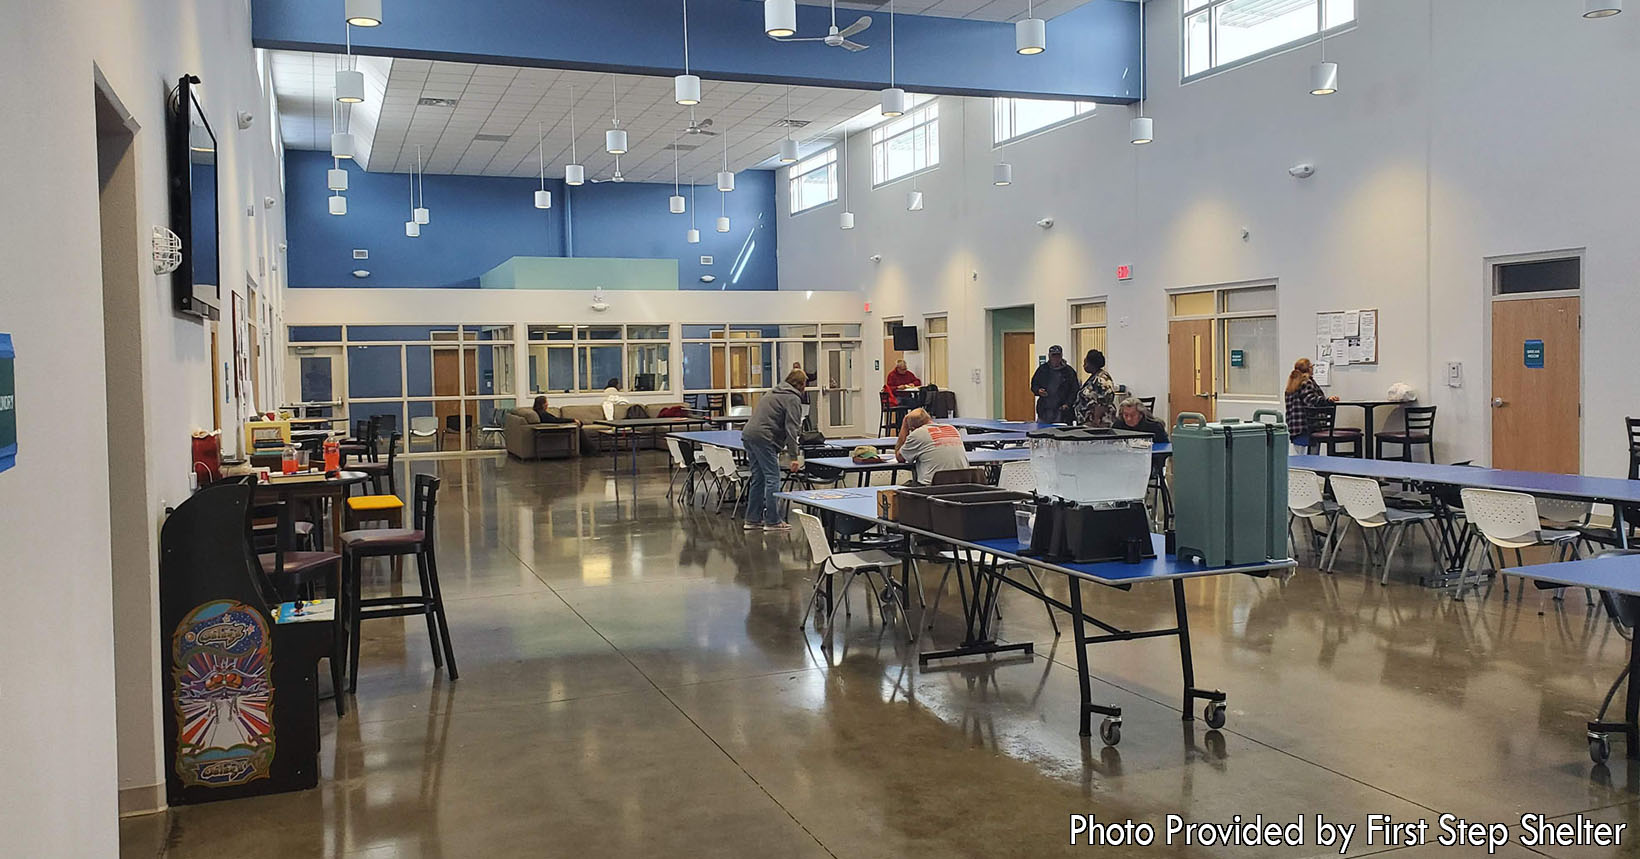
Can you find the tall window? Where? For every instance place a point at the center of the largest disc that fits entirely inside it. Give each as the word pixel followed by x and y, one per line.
pixel 905 145
pixel 1219 33
pixel 1247 355
pixel 937 334
pixel 584 358
pixel 814 181
pixel 1087 328
pixel 1014 118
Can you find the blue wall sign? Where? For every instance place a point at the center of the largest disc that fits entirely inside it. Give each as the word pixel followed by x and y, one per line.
pixel 1534 354
pixel 8 403
pixel 1238 358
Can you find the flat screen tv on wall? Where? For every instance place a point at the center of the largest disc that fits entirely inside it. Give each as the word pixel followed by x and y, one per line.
pixel 905 338
pixel 191 158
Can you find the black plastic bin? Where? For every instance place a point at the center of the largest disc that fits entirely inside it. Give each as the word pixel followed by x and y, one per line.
pixel 914 509
pixel 975 515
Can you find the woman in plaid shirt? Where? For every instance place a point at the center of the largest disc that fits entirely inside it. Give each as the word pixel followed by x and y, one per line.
pixel 1302 393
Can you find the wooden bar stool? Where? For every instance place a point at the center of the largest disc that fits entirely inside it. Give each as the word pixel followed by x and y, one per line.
pixel 1420 430
pixel 396 542
pixel 1323 433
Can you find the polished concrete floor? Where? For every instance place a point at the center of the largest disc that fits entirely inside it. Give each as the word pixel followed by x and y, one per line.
pixel 634 681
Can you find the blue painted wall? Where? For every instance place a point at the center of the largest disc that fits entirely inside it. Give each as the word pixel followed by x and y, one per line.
pixel 478 222
pixel 1093 50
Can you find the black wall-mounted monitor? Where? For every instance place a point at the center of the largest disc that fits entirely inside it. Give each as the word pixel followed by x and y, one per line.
pixel 195 203
pixel 905 338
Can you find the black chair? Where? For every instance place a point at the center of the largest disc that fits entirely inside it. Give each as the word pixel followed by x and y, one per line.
pixel 293 574
pixel 1420 430
pixel 383 479
pixel 416 540
pixel 717 404
pixel 942 404
pixel 1150 405
pixel 1320 421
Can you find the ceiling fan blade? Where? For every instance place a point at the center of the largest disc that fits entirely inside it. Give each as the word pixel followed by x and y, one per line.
pixel 706 123
pixel 804 39
pixel 853 46
pixel 707 133
pixel 857 26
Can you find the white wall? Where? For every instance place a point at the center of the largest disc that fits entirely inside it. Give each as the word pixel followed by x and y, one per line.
pixel 58 692
pixel 1463 129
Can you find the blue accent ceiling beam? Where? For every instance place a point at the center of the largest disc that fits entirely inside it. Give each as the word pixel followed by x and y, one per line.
pixel 1093 50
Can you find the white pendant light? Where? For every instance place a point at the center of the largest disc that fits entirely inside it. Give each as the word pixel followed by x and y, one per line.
pixel 677 204
pixel 723 224
pixel 1323 75
pixel 412 229
pixel 723 212
pixel 336 178
pixel 341 145
pixel 914 201
pixel 788 151
pixel 1601 8
pixel 846 221
pixel 1002 174
pixel 1030 32
pixel 779 18
pixel 725 179
pixel 349 86
pixel 421 214
pixel 893 97
pixel 338 204
pixel 615 138
pixel 686 87
pixel 543 197
pixel 693 235
pixel 1140 129
pixel 364 13
pixel 575 173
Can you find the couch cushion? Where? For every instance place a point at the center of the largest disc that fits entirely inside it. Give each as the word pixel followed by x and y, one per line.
pixel 526 414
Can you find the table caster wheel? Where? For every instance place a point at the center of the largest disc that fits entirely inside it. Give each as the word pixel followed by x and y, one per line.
pixel 1213 714
pixel 1600 748
pixel 1110 731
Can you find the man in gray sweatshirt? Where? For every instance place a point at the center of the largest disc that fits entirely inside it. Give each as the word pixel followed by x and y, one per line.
pixel 775 423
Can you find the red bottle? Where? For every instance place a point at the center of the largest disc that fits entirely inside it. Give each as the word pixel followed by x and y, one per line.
pixel 287 459
pixel 333 456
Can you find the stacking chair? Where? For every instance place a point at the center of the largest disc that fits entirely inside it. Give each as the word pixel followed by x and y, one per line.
pixel 852 565
pixel 685 466
pixel 1321 421
pixel 494 432
pixel 1362 502
pixel 295 573
pixel 949 476
pixel 418 540
pixel 1419 431
pixel 1306 500
pixel 727 474
pixel 1512 520
pixel 423 426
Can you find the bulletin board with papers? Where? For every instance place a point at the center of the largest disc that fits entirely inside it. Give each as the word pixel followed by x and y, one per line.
pixel 1345 337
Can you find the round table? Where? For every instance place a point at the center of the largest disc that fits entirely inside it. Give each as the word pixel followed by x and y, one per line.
pixel 331 490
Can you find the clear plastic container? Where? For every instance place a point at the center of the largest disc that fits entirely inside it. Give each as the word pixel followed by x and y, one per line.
pixel 1091 466
pixel 1024 521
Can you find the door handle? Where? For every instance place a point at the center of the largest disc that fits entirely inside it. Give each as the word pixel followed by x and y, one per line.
pixel 1205 396
pixel 1497 402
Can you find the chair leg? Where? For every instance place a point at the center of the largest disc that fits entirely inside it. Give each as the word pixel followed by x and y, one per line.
pixel 355 586
pixel 814 597
pixel 443 618
pixel 427 610
pixel 338 645
pixel 1338 546
pixel 1394 543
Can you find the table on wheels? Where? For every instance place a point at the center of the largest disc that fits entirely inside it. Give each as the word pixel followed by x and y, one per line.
pixel 988 562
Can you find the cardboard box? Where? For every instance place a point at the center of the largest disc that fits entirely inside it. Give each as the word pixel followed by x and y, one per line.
pixel 888 505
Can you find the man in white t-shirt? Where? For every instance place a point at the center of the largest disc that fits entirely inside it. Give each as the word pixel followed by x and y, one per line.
pixel 929 447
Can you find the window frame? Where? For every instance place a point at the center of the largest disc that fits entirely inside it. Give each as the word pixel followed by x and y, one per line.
pixel 579 346
pixel 1221 317
pixel 929 113
pixel 1071 307
pixel 1012 102
pixel 1191 8
pixel 794 178
pixel 943 377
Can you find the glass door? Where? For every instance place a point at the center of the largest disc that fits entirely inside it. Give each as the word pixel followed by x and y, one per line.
pixel 839 394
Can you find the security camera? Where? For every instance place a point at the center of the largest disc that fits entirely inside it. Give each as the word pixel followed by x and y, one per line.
pixel 1045 223
pixel 1301 171
pixel 876 257
pixel 245 119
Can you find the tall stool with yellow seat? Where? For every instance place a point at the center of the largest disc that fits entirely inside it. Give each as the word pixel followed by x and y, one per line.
pixel 388 508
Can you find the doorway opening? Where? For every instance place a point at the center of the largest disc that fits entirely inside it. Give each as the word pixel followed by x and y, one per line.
pixel 1013 360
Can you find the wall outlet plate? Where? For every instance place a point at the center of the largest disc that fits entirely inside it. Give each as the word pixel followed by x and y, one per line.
pixel 705 260
pixel 361 253
pixel 1454 374
pixel 976 376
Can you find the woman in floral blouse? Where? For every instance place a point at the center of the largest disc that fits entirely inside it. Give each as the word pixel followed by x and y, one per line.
pixel 1096 402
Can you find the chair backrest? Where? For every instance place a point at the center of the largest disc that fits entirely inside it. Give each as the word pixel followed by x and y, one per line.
pixel 716 403
pixel 1633 427
pixel 1563 512
pixel 424 425
pixel 424 504
pixel 1420 419
pixel 946 477
pixel 498 418
pixel 1017 477
pixel 1320 417
pixel 676 451
pixel 1149 404
pixel 819 546
pixel 392 457
pixel 739 411
pixel 720 460
pixel 1361 497
pixel 386 424
pixel 1304 492
pixel 1502 517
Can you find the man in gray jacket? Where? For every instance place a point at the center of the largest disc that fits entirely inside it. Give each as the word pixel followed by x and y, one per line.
pixel 775 423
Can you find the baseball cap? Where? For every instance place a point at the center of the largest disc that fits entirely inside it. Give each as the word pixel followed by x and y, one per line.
pixel 1055 350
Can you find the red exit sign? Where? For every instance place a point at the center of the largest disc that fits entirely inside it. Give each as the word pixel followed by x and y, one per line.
pixel 1124 272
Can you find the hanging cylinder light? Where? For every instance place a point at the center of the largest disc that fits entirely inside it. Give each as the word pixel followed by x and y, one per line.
pixel 350 86
pixel 615 141
pixel 779 18
pixel 678 205
pixel 1030 32
pixel 341 145
pixel 692 236
pixel 723 224
pixel 686 87
pixel 338 204
pixel 543 199
pixel 914 201
pixel 1141 130
pixel 893 97
pixel 412 229
pixel 1601 8
pixel 788 151
pixel 1324 78
pixel 1002 174
pixel 421 214
pixel 725 181
pixel 847 220
pixel 575 174
pixel 363 13
pixel 336 179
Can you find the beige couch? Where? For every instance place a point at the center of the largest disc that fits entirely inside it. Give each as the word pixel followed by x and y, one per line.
pixel 595 438
pixel 528 438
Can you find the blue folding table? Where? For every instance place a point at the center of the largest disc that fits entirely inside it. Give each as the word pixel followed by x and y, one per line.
pixel 1617 577
pixel 981 585
pixel 890 462
pixel 995 424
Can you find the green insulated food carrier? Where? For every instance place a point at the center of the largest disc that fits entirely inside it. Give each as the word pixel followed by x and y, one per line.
pixel 1230 489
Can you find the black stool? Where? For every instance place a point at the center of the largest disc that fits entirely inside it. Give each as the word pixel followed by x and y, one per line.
pixel 1420 430
pixel 1319 420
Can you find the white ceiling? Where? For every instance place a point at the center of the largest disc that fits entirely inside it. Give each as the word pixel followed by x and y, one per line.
pixel 984 10
pixel 510 101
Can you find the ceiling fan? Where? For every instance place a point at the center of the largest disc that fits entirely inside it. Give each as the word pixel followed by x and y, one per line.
pixel 836 38
pixel 700 127
pixel 614 177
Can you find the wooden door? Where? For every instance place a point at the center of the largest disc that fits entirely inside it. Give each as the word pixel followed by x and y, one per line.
pixel 1190 382
pixel 891 356
pixel 446 383
pixel 1536 387
pixel 1018 401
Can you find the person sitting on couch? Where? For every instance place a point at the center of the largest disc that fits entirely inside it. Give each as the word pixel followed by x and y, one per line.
pixel 547 417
